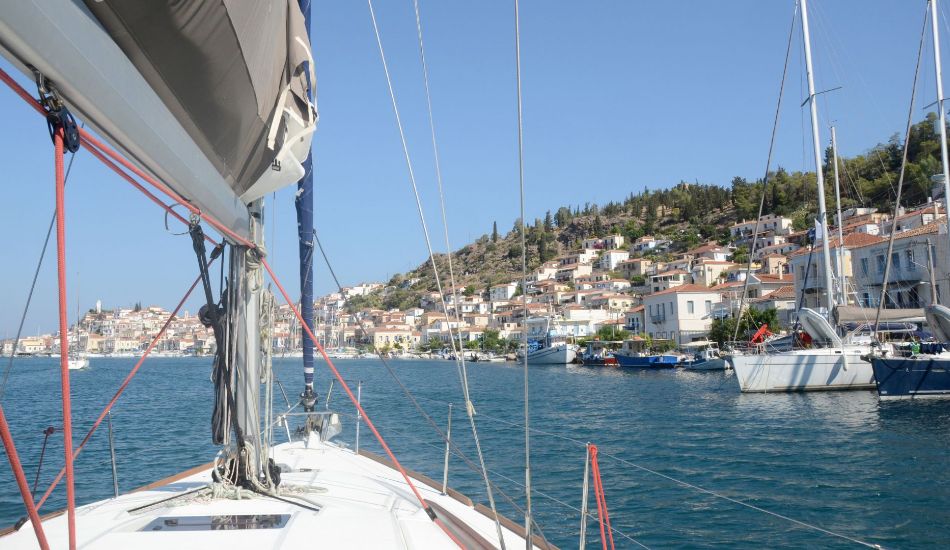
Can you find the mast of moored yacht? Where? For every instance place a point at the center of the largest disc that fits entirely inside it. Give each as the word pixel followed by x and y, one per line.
pixel 819 173
pixel 943 115
pixel 839 257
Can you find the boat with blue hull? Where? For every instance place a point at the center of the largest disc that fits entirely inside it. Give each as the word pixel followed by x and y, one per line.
pixel 647 361
pixel 633 354
pixel 919 376
pixel 922 370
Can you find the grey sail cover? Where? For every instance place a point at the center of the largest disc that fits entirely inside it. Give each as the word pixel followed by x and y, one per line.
pixel 938 317
pixel 857 314
pixel 233 73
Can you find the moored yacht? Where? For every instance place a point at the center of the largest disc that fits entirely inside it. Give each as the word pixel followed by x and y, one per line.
pixel 831 364
pixel 918 370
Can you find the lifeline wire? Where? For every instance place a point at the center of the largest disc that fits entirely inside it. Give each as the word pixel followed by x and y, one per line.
pixel 412 399
pixel 469 407
pixel 687 484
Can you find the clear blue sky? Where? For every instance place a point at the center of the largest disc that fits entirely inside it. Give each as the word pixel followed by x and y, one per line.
pixel 618 96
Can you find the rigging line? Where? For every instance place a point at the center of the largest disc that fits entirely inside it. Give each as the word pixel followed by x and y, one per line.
pixel 741 503
pixel 36 275
pixel 768 166
pixel 122 387
pixel 414 401
pixel 524 282
pixel 438 174
pixel 352 397
pixel 59 140
pixel 900 180
pixel 459 354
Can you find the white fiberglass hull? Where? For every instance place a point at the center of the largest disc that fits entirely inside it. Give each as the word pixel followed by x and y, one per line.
pixel 360 501
pixel 78 364
pixel 707 364
pixel 557 355
pixel 805 370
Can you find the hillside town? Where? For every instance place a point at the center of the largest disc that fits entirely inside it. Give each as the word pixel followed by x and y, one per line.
pixel 639 287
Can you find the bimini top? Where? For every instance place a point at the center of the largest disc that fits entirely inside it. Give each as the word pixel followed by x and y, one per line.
pixel 210 97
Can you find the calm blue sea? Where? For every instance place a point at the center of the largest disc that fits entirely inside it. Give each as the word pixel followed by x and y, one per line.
pixel 847 462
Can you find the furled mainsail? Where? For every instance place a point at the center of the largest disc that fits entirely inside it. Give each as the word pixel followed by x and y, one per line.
pixel 208 96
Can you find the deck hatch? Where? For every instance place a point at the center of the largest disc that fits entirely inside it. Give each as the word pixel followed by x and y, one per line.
pixel 218 523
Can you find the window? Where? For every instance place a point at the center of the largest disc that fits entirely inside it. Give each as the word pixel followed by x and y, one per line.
pixel 801 272
pixel 864 266
pixel 708 307
pixel 911 264
pixel 689 307
pixel 880 263
pixel 896 261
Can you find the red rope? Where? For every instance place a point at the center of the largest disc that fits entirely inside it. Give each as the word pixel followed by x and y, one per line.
pixel 63 336
pixel 349 393
pixel 17 468
pixel 602 513
pixel 97 145
pixel 122 387
pixel 90 140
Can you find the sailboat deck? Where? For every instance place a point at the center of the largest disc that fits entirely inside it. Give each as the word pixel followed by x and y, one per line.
pixel 361 502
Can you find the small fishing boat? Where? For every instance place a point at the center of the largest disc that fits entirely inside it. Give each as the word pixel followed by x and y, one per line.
pixel 554 348
pixel 599 353
pixel 704 355
pixel 633 354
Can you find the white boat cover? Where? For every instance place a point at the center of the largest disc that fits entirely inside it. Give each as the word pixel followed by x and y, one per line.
pixel 938 317
pixel 856 314
pixel 818 327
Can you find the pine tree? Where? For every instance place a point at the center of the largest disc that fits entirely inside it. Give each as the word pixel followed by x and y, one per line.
pixel 548 222
pixel 494 232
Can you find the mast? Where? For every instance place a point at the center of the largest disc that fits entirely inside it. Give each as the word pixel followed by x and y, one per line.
pixel 842 279
pixel 943 115
pixel 934 299
pixel 304 207
pixel 819 172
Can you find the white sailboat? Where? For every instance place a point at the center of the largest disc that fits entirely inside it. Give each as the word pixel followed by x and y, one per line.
pixel 77 360
pixel 839 366
pixel 211 104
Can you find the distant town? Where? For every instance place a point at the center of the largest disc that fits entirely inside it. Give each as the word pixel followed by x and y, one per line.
pixel 607 284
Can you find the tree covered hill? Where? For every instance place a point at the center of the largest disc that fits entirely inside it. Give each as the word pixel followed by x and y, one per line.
pixel 687 214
